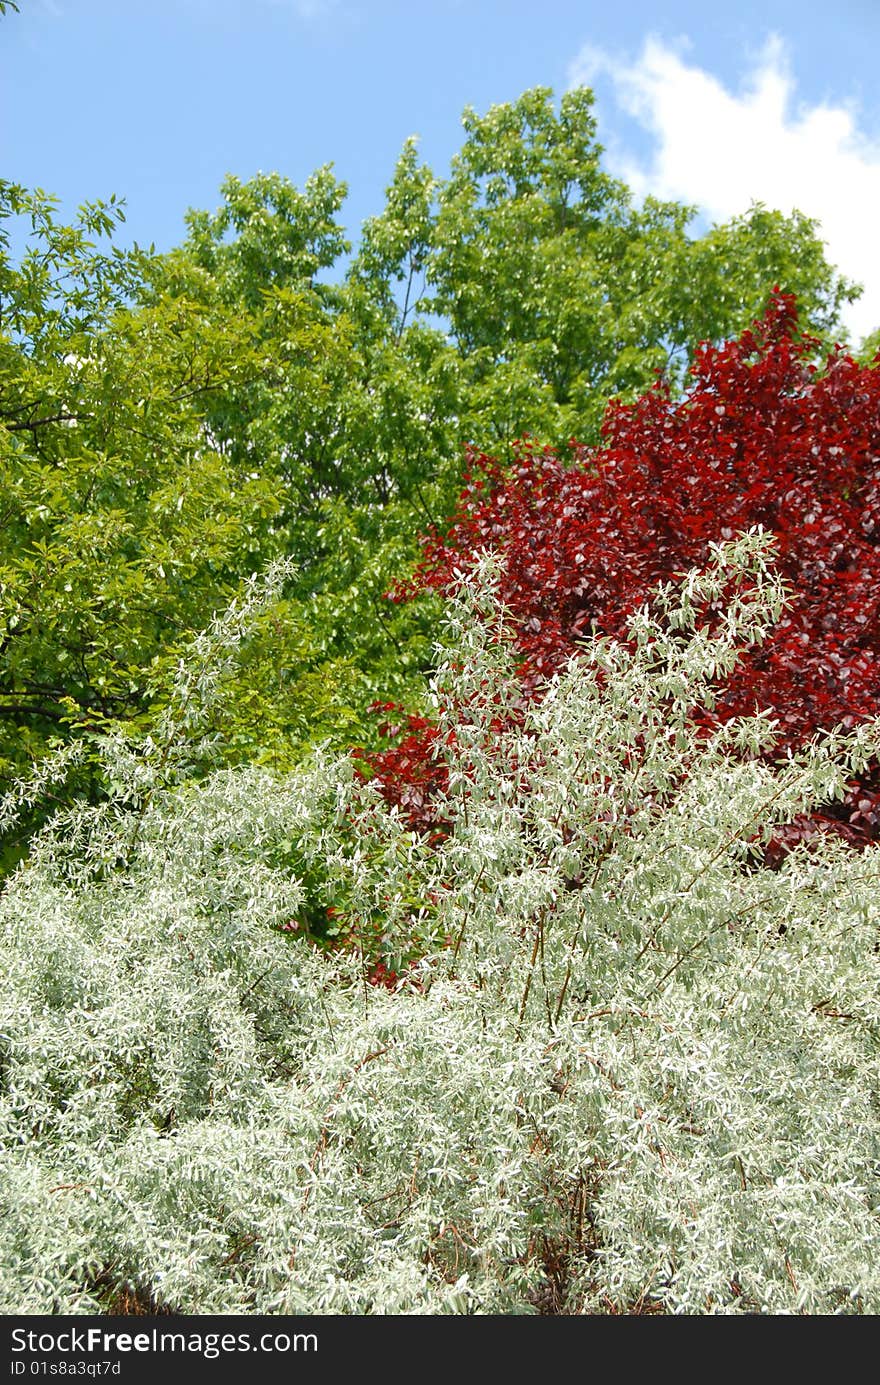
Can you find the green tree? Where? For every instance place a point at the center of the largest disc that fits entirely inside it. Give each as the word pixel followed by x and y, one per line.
pixel 560 293
pixel 168 424
pixel 516 295
pixel 126 521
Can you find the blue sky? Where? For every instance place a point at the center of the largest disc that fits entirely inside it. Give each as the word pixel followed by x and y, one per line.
pixel 156 100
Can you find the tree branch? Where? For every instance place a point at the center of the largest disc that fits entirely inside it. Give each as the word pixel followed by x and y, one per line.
pixel 36 423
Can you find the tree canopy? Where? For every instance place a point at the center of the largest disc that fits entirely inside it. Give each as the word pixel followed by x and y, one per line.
pixel 170 423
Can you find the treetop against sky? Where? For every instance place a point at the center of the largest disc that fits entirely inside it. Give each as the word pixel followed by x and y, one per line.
pixel 773 102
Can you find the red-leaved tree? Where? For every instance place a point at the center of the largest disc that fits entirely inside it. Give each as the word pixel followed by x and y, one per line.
pixel 763 437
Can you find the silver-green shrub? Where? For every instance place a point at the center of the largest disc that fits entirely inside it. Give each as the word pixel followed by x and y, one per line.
pixel 630 1069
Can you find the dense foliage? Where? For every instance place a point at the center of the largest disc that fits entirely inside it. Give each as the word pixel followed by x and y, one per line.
pixel 762 437
pixel 501 1012
pixel 170 423
pixel 628 1071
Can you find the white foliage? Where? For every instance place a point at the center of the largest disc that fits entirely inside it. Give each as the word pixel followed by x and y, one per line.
pixel 630 1065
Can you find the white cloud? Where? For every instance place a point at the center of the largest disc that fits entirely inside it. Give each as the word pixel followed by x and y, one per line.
pixel 724 150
